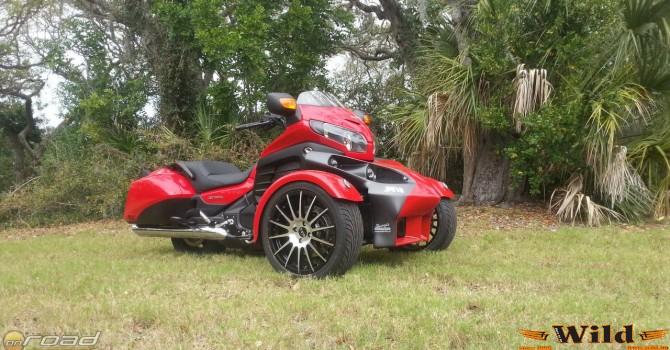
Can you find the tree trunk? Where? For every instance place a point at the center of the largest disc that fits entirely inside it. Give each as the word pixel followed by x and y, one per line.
pixel 179 83
pixel 486 170
pixel 20 173
pixel 471 139
pixel 171 54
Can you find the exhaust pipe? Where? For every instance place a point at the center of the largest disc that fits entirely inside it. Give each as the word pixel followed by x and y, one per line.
pixel 213 233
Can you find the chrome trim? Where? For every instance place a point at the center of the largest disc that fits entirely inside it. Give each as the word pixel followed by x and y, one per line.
pixel 213 233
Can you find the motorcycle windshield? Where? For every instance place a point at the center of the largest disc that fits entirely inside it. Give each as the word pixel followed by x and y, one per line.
pixel 319 98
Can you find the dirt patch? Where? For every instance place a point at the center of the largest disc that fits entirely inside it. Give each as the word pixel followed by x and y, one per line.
pixel 472 219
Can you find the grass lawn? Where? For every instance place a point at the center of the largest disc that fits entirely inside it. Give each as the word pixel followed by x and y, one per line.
pixel 492 281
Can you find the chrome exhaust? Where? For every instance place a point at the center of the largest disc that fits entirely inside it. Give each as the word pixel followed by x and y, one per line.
pixel 205 232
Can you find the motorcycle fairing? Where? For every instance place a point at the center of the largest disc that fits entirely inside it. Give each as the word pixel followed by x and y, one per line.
pixel 397 206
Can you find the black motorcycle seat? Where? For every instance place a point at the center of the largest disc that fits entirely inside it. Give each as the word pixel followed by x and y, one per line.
pixel 209 174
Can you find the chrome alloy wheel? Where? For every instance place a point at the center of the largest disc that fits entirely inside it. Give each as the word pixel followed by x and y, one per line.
pixel 302 232
pixel 434 222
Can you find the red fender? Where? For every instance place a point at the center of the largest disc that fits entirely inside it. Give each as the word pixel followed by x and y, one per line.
pixel 335 186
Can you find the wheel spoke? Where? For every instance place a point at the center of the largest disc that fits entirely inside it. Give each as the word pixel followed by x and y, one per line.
pixel 321 241
pixel 282 214
pixel 289 256
pixel 321 228
pixel 317 252
pixel 279 236
pixel 309 261
pixel 280 225
pixel 300 205
pixel 318 216
pixel 282 247
pixel 309 209
pixel 288 200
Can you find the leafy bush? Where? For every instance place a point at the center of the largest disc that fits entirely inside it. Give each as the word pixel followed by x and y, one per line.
pixel 77 181
pixel 80 180
pixel 548 151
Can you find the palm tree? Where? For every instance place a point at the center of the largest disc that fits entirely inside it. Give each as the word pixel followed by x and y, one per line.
pixel 630 108
pixel 621 91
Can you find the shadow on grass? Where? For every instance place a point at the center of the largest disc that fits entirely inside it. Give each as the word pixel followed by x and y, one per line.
pixel 368 256
pixel 383 257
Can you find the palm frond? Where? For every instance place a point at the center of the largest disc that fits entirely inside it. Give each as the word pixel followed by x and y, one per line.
pixel 650 154
pixel 617 107
pixel 642 16
pixel 570 204
pixel 642 19
pixel 453 98
pixel 427 132
pixel 623 187
pixel 662 199
pixel 208 132
pixel 533 90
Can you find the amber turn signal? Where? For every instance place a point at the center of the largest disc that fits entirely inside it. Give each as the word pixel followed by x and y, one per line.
pixel 288 103
pixel 367 119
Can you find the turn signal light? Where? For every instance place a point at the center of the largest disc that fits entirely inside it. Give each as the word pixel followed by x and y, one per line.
pixel 288 103
pixel 367 119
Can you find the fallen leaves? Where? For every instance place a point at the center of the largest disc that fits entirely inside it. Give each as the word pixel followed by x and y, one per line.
pixel 476 219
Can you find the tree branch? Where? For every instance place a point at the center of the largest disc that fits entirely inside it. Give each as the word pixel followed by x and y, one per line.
pixel 20 66
pixel 380 54
pixel 28 128
pixel 376 9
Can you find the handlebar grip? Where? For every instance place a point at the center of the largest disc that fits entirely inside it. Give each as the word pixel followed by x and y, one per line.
pixel 244 126
pixel 263 123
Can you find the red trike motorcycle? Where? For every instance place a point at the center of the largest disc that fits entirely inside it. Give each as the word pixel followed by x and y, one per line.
pixel 315 196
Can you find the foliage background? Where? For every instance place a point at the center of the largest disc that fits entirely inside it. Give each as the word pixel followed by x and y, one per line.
pixel 441 79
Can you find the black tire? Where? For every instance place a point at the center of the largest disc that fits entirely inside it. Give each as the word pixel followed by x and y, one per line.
pixel 335 222
pixel 197 246
pixel 443 229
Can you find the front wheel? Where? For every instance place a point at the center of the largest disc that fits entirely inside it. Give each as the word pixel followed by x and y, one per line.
pixel 305 232
pixel 442 229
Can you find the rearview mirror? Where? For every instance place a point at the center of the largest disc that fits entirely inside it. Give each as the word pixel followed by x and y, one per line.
pixel 282 104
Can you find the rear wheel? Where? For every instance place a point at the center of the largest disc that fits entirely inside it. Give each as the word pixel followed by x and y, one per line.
pixel 442 229
pixel 305 232
pixel 198 246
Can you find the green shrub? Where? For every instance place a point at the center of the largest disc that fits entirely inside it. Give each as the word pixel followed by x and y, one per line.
pixel 77 181
pixel 80 180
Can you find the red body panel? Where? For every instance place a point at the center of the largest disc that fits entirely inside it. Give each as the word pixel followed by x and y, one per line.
pixel 334 185
pixel 424 185
pixel 419 205
pixel 300 131
pixel 162 184
pixel 228 195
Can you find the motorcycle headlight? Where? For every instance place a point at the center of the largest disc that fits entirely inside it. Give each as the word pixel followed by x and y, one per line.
pixel 352 140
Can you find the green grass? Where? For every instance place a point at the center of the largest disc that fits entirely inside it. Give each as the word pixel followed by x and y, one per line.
pixel 143 295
